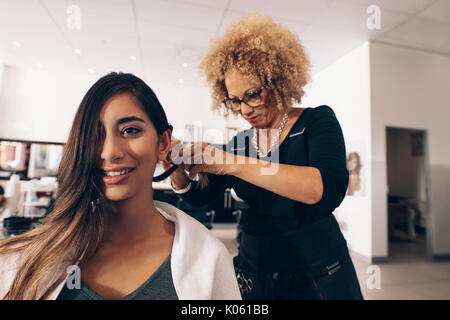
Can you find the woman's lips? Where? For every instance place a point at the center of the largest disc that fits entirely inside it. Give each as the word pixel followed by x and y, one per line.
pixel 116 179
pixel 253 119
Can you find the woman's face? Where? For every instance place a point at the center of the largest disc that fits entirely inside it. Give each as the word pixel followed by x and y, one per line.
pixel 130 148
pixel 264 116
pixel 352 163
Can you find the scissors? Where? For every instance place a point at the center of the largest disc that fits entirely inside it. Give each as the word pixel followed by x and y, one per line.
pixel 169 171
pixel 165 174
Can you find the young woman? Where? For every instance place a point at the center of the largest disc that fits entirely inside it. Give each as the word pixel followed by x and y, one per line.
pixel 104 220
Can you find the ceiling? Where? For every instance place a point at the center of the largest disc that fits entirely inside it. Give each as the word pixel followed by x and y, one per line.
pixel 167 38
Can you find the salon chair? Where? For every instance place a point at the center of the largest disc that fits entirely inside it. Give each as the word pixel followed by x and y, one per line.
pixel 239 207
pixel 204 214
pixel 17 225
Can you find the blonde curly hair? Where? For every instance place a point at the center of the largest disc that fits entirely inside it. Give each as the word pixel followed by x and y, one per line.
pixel 260 50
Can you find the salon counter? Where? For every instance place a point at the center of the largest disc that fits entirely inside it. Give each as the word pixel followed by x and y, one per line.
pixel 161 186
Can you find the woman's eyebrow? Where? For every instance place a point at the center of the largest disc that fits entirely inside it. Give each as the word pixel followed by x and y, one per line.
pixel 254 87
pixel 128 119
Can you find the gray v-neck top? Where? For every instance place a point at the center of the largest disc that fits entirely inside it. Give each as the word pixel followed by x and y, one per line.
pixel 158 287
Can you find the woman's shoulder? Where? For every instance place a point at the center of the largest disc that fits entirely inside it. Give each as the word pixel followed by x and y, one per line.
pixel 320 117
pixel 201 266
pixel 322 110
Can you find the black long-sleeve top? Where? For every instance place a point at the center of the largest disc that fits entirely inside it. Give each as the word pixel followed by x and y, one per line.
pixel 315 140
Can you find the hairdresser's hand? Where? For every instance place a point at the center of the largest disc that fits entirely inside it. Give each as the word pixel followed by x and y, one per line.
pixel 179 178
pixel 202 157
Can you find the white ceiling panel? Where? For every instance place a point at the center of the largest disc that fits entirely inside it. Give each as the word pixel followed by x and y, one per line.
pixel 440 11
pixel 231 15
pixel 305 11
pixel 219 4
pixel 163 34
pixel 91 23
pixel 405 6
pixel 320 41
pixel 20 21
pixel 183 37
pixel 296 27
pixel 113 8
pixel 178 14
pixel 353 17
pixel 423 32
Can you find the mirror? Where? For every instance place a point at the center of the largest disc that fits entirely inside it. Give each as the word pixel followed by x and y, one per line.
pixel 44 160
pixel 29 159
pixel 13 158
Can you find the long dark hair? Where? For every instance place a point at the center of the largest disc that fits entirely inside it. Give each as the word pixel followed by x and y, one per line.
pixel 73 230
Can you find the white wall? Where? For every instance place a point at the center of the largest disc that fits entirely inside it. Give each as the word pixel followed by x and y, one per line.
pixel 1 78
pixel 379 85
pixel 345 87
pixel 38 105
pixel 191 105
pixel 410 89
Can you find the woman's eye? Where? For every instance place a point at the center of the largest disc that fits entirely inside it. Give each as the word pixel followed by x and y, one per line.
pixel 131 130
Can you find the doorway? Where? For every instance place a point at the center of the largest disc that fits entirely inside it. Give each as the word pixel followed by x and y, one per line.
pixel 407 194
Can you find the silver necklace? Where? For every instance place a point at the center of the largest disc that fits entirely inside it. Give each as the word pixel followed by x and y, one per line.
pixel 275 140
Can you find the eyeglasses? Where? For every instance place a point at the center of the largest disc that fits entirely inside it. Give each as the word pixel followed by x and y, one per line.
pixel 251 97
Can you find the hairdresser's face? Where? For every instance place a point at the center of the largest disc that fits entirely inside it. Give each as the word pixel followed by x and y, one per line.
pixel 264 116
pixel 130 148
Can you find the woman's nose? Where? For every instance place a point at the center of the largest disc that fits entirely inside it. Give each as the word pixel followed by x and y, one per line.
pixel 111 149
pixel 246 110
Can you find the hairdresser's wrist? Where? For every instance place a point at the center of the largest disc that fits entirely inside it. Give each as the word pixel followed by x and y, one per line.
pixel 181 190
pixel 179 182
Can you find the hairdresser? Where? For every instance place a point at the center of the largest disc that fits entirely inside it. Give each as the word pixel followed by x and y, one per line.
pixel 291 245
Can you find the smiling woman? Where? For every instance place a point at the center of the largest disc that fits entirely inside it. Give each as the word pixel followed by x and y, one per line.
pixel 104 219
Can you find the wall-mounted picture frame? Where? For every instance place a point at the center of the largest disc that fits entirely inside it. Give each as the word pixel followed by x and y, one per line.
pixel 193 132
pixel 44 160
pixel 230 132
pixel 356 166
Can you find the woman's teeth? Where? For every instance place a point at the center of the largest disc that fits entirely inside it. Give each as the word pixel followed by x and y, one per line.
pixel 117 173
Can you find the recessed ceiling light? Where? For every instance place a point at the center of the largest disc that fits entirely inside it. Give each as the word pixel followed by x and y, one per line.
pixel 40 65
pixel 77 51
pixel 90 70
pixel 133 58
pixel 185 65
pixel 17 44
pixel 180 80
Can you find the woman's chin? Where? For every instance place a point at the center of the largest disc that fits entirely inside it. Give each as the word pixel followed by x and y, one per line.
pixel 117 195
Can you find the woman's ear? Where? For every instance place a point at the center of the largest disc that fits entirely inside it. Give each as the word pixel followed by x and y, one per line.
pixel 164 145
